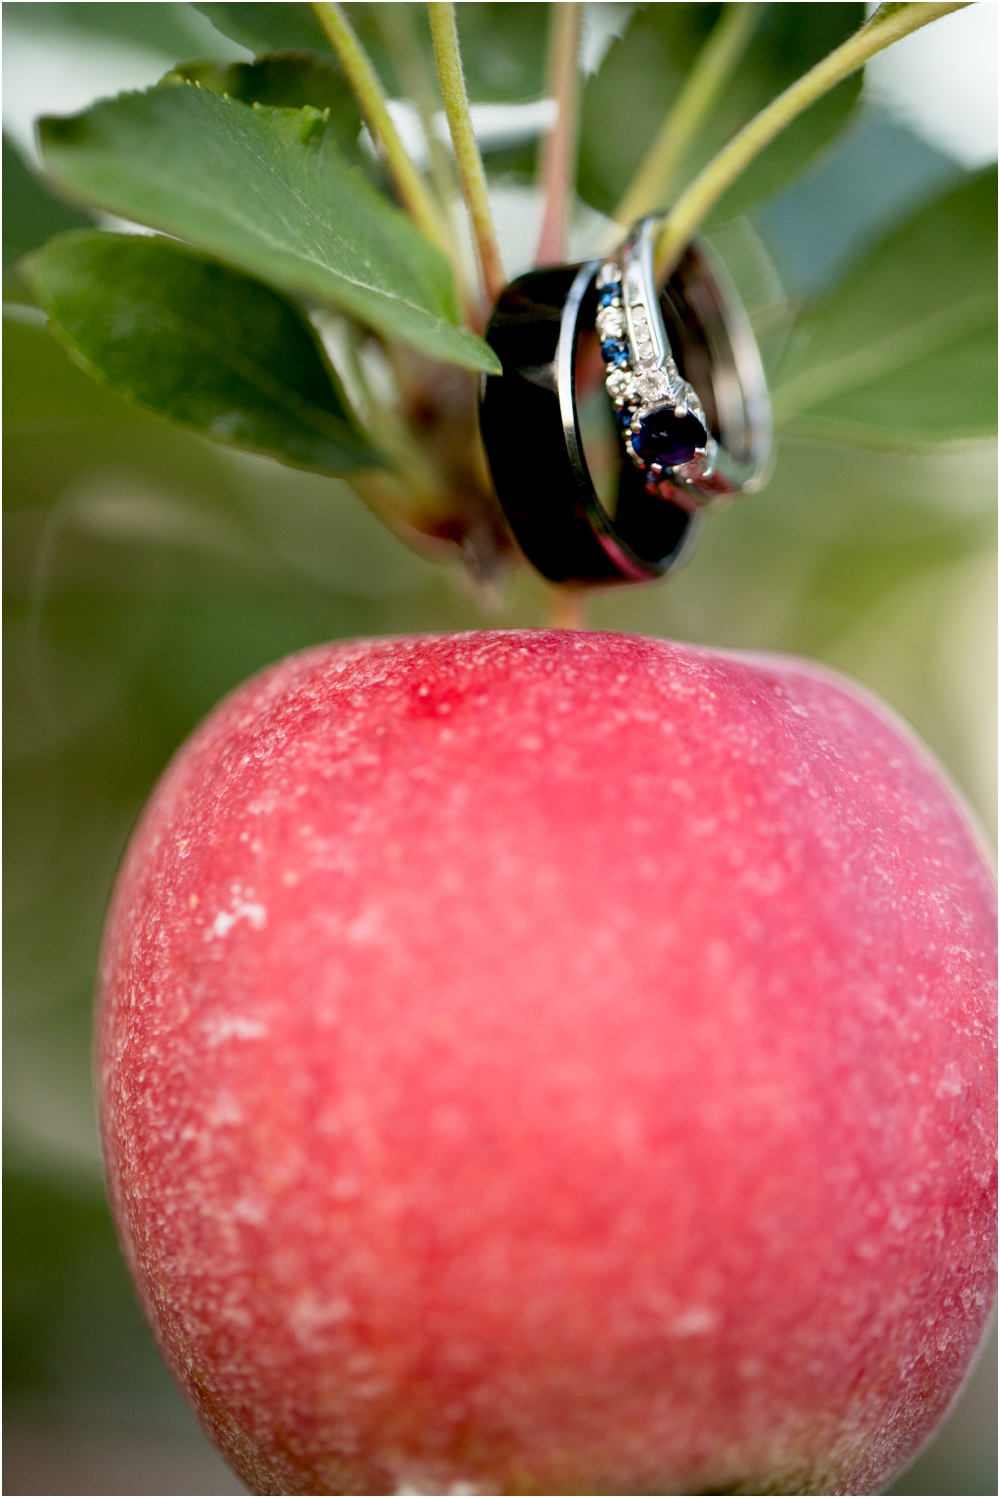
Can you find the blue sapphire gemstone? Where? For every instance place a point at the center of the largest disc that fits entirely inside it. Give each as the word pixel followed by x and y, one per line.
pixel 668 439
pixel 608 296
pixel 615 352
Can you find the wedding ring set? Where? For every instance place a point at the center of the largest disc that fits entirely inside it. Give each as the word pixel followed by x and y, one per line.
pixel 685 385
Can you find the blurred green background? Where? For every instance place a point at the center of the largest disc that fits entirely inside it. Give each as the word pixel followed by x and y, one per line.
pixel 148 572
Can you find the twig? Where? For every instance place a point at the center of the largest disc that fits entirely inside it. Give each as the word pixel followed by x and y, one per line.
pixel 399 33
pixel 559 151
pixel 471 175
pixel 367 89
pixel 887 25
pixel 653 183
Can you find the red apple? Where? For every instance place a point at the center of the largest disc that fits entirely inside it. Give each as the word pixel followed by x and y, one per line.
pixel 549 1062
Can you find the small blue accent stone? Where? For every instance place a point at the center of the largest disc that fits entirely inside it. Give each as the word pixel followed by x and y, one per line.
pixel 608 296
pixel 615 352
pixel 668 439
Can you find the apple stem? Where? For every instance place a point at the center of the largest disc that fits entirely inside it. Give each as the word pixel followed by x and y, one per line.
pixel 558 172
pixel 568 608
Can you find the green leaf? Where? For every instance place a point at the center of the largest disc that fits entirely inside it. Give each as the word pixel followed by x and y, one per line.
pixel 267 191
pixel 196 342
pixel 625 103
pixel 903 352
pixel 284 27
pixel 31 215
pixel 504 50
pixel 503 45
pixel 172 30
pixel 269 28
pixel 286 80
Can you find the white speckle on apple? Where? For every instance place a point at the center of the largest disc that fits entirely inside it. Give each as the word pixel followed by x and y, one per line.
pixel 311 1317
pixel 365 928
pixel 252 1209
pixel 225 1110
pixel 223 1027
pixel 696 1322
pixel 242 911
pixel 951 1083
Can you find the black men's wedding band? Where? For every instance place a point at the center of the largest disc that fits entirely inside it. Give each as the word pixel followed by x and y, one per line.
pixel 683 379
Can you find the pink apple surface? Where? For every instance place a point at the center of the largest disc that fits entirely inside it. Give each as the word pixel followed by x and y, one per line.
pixel 552 1062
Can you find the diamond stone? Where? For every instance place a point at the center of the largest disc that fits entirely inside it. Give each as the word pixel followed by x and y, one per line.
pixel 610 322
pixel 620 385
pixel 608 275
pixel 653 386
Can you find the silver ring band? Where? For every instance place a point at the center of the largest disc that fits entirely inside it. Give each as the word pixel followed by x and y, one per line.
pixel 688 391
pixel 709 434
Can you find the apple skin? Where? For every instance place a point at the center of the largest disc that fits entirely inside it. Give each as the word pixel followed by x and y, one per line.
pixel 554 1062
